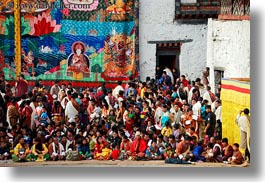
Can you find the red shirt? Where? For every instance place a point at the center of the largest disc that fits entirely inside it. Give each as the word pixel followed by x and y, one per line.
pixel 115 154
pixel 185 82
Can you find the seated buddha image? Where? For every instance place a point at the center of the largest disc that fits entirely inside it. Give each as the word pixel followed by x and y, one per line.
pixel 78 61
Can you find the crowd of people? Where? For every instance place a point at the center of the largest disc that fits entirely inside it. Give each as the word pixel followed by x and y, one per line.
pixel 171 119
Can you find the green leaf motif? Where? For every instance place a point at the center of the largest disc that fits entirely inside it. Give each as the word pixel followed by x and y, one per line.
pixel 10 26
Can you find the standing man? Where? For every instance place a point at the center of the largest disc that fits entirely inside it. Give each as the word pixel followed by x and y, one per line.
pixel 165 79
pixel 117 89
pixel 243 122
pixel 55 89
pixel 21 86
pixel 210 122
pixel 218 113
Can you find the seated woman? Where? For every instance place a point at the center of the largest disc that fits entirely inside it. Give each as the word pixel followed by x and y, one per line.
pixel 39 151
pixel 153 152
pixel 57 112
pixel 106 152
pixel 21 151
pixel 83 150
pixel 125 148
pixel 100 145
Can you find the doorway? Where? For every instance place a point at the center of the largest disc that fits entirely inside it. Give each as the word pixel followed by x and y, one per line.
pixel 167 56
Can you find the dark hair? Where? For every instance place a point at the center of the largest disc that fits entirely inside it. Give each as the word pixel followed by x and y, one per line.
pixel 183 76
pixel 39 144
pixel 177 126
pixel 172 136
pixel 198 80
pixel 208 107
pixel 98 139
pixel 225 140
pixel 210 145
pixel 187 137
pixel 160 136
pixel 236 145
pixel 200 142
pixel 246 111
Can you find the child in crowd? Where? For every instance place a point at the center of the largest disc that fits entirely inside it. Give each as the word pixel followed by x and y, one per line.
pixel 237 157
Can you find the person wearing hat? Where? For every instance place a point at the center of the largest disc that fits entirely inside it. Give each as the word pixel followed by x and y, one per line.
pixel 138 147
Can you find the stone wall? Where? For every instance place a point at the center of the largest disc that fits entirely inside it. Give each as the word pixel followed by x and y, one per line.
pixel 228 48
pixel 157 24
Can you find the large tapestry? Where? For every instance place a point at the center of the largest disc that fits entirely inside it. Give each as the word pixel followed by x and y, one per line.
pixel 75 40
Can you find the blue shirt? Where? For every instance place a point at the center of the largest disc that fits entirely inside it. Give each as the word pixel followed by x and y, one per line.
pixel 164 119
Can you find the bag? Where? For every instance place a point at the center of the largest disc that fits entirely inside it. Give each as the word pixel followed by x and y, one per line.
pixel 72 156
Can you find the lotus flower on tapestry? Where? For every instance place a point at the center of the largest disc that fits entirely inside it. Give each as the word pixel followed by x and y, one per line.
pixel 43 24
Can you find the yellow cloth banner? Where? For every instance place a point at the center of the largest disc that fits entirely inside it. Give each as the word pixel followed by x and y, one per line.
pixel 235 96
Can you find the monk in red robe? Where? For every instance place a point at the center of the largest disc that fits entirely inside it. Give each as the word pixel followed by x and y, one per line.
pixel 138 147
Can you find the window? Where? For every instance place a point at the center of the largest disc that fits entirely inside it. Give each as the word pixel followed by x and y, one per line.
pixel 197 9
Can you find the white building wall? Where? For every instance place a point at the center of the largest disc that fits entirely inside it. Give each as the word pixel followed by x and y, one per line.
pixel 228 47
pixel 157 24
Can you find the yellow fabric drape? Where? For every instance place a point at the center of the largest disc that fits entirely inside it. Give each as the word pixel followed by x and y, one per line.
pixel 233 100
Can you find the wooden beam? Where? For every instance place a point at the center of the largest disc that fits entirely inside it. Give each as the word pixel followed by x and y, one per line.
pixel 170 41
pixel 234 17
pixel 17 37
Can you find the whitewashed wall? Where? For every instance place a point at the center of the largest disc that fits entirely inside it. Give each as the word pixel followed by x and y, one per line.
pixel 228 47
pixel 156 24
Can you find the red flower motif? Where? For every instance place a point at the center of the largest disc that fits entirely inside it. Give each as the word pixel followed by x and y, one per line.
pixel 43 24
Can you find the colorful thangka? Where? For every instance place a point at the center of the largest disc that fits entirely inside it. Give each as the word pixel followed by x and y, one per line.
pixel 74 40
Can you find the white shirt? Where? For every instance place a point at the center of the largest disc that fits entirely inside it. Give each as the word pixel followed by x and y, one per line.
pixel 158 114
pixel 218 113
pixel 177 115
pixel 190 95
pixel 206 96
pixel 243 122
pixel 116 90
pixel 196 108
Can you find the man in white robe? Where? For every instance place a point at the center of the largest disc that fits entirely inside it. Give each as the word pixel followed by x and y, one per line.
pixel 243 122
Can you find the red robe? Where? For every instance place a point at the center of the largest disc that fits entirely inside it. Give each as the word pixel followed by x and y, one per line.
pixel 22 87
pixel 128 146
pixel 138 146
